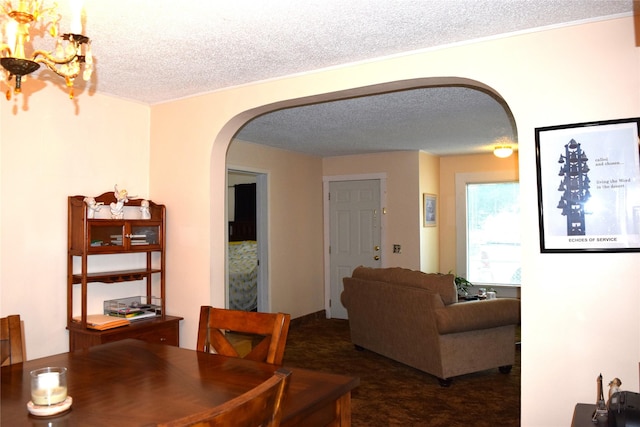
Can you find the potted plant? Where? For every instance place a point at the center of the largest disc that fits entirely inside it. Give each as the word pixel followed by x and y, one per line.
pixel 462 285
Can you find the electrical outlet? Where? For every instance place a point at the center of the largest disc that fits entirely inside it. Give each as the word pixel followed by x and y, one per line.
pixel 397 249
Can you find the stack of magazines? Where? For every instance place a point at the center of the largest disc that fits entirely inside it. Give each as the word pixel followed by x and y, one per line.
pixel 134 308
pixel 133 313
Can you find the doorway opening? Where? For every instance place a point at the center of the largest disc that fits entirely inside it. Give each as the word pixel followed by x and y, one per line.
pixel 246 287
pixel 265 112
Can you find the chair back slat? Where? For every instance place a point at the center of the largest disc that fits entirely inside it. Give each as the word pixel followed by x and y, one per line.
pixel 269 331
pixel 219 342
pixel 260 406
pixel 11 344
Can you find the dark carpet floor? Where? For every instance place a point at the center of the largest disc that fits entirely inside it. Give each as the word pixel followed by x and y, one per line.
pixel 393 394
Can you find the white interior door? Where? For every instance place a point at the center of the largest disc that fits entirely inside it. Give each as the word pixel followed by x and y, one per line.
pixel 355 230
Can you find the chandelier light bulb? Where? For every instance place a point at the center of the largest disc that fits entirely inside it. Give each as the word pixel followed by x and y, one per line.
pixel 11 29
pixel 76 16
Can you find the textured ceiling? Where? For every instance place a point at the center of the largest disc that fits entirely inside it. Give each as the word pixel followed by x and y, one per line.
pixel 159 50
pixel 155 51
pixel 440 120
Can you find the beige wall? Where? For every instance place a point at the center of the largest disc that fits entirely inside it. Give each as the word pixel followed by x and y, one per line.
pixel 300 183
pixel 429 170
pixel 402 216
pixel 295 224
pixel 566 75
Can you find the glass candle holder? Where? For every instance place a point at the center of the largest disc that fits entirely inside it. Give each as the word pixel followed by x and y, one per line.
pixel 48 386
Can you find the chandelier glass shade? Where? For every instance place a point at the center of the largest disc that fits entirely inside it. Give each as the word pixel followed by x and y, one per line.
pixel 22 18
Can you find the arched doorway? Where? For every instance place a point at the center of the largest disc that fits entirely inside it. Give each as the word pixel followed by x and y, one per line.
pixel 364 92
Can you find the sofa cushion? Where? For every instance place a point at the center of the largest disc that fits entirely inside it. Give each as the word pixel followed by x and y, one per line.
pixel 443 284
pixel 470 316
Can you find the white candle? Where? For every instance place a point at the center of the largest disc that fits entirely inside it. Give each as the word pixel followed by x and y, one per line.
pixel 49 380
pixel 11 29
pixel 76 16
pixel 48 386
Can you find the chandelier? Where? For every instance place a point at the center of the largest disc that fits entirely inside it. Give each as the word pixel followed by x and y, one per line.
pixel 22 18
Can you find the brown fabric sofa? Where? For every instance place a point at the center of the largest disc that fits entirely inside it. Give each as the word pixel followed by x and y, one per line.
pixel 415 318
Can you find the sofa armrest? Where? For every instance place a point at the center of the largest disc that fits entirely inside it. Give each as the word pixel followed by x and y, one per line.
pixel 470 316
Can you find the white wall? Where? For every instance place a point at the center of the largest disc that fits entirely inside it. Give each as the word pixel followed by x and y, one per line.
pixel 55 149
pixel 582 74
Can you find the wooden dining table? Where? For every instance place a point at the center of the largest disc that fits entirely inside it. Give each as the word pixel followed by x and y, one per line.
pixel 136 383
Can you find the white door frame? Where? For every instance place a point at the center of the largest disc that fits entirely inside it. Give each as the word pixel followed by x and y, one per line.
pixel 326 217
pixel 262 236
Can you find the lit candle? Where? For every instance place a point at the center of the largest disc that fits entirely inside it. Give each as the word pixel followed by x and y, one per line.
pixel 48 386
pixel 49 380
pixel 11 30
pixel 76 16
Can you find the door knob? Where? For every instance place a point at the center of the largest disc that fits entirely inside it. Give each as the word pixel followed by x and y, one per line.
pixel 376 248
pixel 376 257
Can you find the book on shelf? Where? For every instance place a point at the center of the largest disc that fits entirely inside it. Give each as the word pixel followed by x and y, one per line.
pixel 130 311
pixel 102 322
pixel 133 316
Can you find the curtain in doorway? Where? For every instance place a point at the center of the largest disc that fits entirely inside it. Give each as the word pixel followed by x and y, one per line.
pixel 245 205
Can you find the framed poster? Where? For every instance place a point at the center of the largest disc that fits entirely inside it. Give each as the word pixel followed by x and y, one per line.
pixel 589 186
pixel 430 209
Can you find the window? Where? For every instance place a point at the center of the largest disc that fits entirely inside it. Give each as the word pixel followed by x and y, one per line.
pixel 488 225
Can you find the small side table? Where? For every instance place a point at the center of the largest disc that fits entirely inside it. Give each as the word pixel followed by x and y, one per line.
pixel 582 415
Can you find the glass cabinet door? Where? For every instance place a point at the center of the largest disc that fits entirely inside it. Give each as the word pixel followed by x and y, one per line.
pixel 106 235
pixel 143 235
pixel 124 236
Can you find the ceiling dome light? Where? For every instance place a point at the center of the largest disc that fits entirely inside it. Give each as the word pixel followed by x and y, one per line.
pixel 502 151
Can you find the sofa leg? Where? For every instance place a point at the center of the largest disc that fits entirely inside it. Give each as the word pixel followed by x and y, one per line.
pixel 445 382
pixel 505 369
pixel 359 348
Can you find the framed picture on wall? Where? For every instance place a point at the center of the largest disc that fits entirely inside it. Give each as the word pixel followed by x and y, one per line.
pixel 589 186
pixel 430 209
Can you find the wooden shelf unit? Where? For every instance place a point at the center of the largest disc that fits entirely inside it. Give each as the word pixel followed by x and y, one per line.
pixel 89 237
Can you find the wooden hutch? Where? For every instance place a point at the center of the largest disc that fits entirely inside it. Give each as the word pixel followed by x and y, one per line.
pixel 95 233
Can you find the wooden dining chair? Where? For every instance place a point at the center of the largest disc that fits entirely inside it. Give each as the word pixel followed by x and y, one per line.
pixel 269 330
pixel 11 346
pixel 260 406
